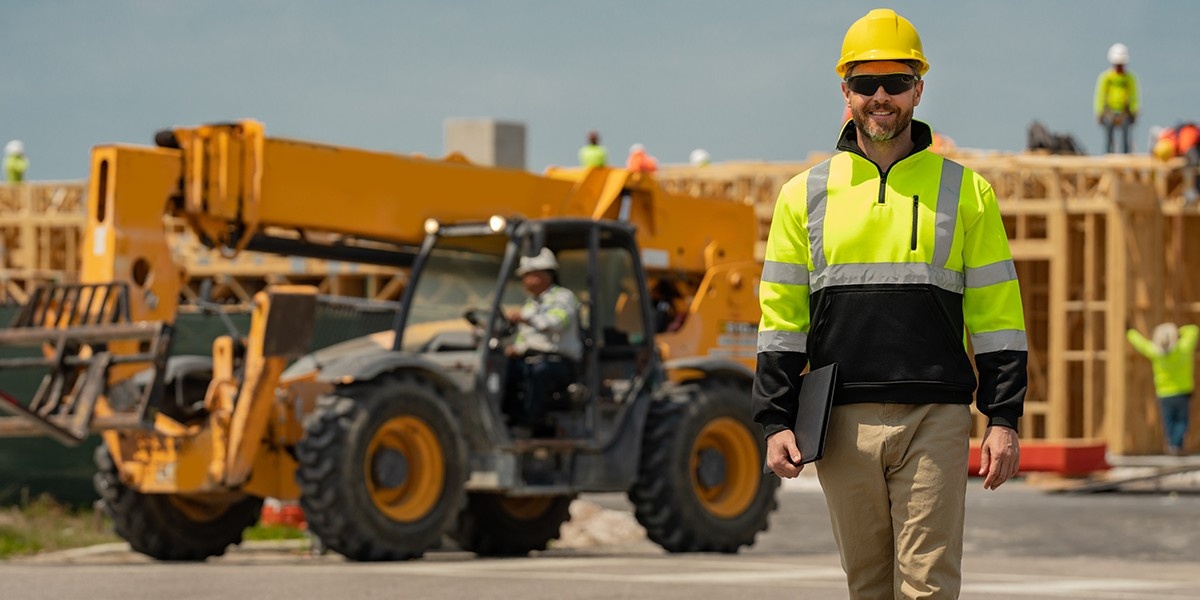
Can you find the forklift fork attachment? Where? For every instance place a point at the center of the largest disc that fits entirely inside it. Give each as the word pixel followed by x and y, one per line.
pixel 79 328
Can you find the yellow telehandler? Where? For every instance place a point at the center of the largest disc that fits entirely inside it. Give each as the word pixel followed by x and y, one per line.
pixel 393 441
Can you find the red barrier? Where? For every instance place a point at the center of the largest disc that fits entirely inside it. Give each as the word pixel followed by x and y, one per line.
pixel 1070 458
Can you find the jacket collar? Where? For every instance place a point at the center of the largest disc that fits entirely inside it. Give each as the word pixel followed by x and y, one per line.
pixel 538 298
pixel 922 137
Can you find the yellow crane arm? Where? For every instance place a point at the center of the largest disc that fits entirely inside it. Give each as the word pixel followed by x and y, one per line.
pixel 239 189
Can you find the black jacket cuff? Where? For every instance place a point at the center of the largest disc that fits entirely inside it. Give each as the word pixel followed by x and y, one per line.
pixel 776 390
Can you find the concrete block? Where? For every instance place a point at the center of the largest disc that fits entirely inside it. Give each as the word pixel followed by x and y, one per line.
pixel 487 141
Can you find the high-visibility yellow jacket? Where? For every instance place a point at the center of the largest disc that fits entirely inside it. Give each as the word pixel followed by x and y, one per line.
pixel 1117 92
pixel 1174 371
pixel 593 155
pixel 886 274
pixel 14 167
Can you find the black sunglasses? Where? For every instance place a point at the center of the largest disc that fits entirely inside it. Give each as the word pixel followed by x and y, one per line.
pixel 895 83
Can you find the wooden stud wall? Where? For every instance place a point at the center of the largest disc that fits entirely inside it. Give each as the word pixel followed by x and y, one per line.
pixel 236 280
pixel 40 231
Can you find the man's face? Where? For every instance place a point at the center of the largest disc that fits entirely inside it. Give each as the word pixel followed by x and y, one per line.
pixel 882 116
pixel 536 282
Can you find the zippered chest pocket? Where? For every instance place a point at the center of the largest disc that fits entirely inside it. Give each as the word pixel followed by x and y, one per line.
pixel 916 210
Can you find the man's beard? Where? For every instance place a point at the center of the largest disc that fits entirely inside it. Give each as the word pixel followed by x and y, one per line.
pixel 876 132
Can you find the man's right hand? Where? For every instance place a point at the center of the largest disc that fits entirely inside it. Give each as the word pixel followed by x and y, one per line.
pixel 783 457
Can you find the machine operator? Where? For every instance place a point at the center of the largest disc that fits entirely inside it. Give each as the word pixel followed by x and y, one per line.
pixel 548 346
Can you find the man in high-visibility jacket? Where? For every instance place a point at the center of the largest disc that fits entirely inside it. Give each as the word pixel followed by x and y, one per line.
pixel 640 161
pixel 593 154
pixel 547 348
pixel 1172 355
pixel 15 161
pixel 1117 98
pixel 886 259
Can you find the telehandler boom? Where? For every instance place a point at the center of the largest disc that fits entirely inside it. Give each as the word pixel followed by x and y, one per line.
pixel 393 441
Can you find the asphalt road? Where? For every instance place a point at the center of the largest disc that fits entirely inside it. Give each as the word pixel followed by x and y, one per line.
pixel 1021 542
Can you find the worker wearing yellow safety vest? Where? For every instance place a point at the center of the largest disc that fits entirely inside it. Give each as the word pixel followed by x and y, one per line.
pixel 877 259
pixel 593 154
pixel 1117 98
pixel 15 162
pixel 1172 355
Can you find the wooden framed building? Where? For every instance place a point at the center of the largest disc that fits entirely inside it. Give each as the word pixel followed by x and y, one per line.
pixel 41 227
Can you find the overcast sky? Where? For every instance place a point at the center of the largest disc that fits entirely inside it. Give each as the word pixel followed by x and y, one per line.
pixel 744 80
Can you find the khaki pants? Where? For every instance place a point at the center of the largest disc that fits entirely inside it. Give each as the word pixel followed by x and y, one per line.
pixel 895 479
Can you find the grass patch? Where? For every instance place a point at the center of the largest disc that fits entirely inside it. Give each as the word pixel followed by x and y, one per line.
pixel 272 532
pixel 43 525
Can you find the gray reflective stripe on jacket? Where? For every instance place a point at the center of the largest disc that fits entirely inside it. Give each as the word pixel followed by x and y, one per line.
pixel 782 341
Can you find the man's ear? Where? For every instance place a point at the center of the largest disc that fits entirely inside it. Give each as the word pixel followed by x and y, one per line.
pixel 920 87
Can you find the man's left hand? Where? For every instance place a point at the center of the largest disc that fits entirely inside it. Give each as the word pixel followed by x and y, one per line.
pixel 514 316
pixel 999 456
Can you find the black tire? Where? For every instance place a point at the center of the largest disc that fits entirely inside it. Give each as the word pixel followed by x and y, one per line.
pixel 400 505
pixel 700 484
pixel 173 527
pixel 499 525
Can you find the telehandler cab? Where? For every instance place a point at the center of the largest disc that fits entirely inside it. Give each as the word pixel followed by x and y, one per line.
pixel 423 424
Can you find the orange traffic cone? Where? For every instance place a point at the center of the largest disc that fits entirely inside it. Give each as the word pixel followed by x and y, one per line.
pixel 283 513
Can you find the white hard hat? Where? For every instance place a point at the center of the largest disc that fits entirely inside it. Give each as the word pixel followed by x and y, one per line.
pixel 544 261
pixel 637 148
pixel 699 157
pixel 1118 54
pixel 1165 336
pixel 14 147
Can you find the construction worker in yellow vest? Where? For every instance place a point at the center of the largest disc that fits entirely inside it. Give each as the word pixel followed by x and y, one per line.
pixel 1172 354
pixel 1117 98
pixel 888 259
pixel 15 161
pixel 592 154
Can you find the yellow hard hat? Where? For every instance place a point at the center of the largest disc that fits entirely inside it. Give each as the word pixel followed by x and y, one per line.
pixel 881 35
pixel 1164 149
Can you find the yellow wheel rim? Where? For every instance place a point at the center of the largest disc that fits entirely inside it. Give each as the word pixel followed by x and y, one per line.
pixel 420 490
pixel 727 440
